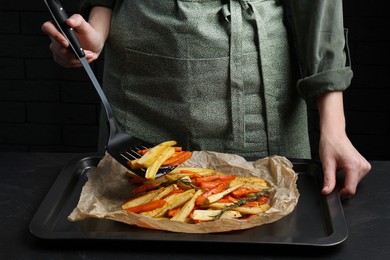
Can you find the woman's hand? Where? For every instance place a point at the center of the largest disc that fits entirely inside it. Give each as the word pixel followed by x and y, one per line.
pixel 336 150
pixel 338 153
pixel 92 36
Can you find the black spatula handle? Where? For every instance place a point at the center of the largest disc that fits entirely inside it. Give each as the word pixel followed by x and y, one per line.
pixel 59 16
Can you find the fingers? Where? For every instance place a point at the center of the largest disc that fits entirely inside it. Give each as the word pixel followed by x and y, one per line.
pixel 64 56
pixel 90 56
pixel 329 170
pixel 59 46
pixel 354 173
pixel 78 23
pixel 56 36
pixel 350 185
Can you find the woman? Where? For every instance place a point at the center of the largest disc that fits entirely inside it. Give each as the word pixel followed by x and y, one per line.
pixel 223 75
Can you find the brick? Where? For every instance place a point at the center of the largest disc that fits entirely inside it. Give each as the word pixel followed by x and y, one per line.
pixel 57 113
pixel 370 77
pixel 375 53
pixel 39 69
pixel 350 8
pixel 24 90
pixel 14 148
pixel 377 8
pixel 74 92
pixel 369 123
pixel 375 100
pixel 366 29
pixel 86 136
pixel 372 147
pixel 9 22
pixel 36 5
pixel 23 46
pixel 11 68
pixel 11 112
pixel 28 134
pixel 31 22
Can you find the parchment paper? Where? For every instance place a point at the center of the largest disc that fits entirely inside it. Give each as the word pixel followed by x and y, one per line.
pixel 108 187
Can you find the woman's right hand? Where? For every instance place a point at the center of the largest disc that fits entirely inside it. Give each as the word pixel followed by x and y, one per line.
pixel 91 41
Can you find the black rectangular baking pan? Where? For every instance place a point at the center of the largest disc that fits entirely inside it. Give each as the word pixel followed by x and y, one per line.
pixel 317 220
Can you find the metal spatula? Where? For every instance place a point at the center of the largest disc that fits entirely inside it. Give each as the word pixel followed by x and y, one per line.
pixel 121 146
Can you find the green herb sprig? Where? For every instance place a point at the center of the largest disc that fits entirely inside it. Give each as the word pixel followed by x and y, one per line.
pixel 242 201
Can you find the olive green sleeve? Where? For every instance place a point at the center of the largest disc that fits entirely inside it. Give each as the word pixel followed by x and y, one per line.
pixel 86 5
pixel 321 46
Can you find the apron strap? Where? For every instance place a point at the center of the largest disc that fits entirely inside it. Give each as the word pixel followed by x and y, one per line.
pixel 236 75
pixel 234 14
pixel 270 104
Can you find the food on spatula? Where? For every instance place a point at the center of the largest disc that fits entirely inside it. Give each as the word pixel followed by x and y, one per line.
pixel 163 154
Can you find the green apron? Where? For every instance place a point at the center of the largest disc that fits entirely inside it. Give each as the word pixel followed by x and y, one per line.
pixel 212 74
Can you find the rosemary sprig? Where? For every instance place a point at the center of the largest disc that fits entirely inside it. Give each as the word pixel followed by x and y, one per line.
pixel 242 201
pixel 178 181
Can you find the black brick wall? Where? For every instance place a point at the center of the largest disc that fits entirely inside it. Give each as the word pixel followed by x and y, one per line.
pixel 44 107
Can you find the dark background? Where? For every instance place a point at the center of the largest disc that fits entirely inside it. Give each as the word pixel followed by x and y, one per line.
pixel 46 108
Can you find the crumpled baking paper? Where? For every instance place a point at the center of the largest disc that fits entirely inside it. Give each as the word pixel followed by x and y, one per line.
pixel 108 187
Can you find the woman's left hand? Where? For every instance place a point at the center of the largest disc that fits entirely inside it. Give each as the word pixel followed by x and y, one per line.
pixel 336 150
pixel 338 153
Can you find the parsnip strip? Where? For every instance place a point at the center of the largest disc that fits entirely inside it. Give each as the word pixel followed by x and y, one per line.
pixel 215 197
pixel 187 208
pixel 151 171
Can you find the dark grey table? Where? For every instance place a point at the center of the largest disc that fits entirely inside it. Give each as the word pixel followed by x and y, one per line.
pixel 27 177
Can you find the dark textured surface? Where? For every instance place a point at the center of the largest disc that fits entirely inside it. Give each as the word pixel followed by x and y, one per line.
pixel 27 178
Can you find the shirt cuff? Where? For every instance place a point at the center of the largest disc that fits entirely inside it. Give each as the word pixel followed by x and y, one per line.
pixel 310 88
